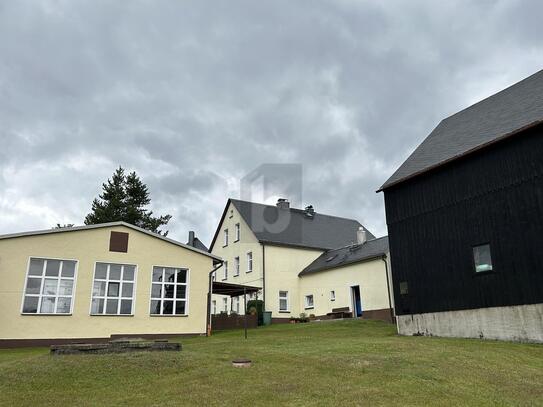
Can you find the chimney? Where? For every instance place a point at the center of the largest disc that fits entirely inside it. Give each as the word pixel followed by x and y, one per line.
pixel 361 237
pixel 309 211
pixel 283 203
pixel 191 238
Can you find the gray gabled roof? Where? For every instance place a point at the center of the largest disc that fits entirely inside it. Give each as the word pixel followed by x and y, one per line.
pixel 291 227
pixel 499 116
pixel 106 225
pixel 343 256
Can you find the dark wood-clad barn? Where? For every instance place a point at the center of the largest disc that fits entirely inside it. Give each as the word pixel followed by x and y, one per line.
pixel 465 222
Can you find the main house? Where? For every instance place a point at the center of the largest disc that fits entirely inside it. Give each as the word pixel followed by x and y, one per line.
pixel 465 222
pixel 101 281
pixel 303 261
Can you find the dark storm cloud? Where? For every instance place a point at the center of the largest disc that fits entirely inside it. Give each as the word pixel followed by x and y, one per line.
pixel 194 95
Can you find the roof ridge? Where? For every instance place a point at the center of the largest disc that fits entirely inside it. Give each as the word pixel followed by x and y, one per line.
pixel 296 210
pixel 353 244
pixel 492 96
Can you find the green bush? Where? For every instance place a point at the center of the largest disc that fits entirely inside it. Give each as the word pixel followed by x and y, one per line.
pixel 256 307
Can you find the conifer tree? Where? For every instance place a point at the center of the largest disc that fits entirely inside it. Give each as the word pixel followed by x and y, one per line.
pixel 124 198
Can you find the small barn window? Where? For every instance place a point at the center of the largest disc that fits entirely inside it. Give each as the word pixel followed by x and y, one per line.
pixel 404 289
pixel 482 258
pixel 332 295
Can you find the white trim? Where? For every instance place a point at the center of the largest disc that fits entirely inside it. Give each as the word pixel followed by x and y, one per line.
pixel 237 266
pixel 105 297
pixel 237 232
pixel 107 225
pixel 284 298
pixel 306 303
pixel 43 277
pixel 249 262
pixel 225 234
pixel 174 298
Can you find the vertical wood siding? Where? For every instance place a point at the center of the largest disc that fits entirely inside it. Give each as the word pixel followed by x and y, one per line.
pixel 434 220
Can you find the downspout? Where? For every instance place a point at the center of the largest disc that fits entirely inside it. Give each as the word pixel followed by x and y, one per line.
pixel 384 258
pixel 209 293
pixel 263 277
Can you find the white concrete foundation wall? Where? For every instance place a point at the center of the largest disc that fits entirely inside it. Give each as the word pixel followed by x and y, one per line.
pixel 514 323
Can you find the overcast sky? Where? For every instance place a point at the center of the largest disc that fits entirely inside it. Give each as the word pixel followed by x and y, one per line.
pixel 193 95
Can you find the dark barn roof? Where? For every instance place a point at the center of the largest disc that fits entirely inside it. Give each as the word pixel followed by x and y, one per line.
pixel 499 116
pixel 348 255
pixel 294 228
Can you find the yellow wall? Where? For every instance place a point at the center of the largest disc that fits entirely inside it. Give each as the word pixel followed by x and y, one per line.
pixel 247 243
pixel 89 246
pixel 369 275
pixel 283 264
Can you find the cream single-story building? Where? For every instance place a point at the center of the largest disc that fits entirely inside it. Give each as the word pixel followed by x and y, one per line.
pixel 96 282
pixel 286 252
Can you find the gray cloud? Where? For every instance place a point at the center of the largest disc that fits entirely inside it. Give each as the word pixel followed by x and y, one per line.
pixel 194 95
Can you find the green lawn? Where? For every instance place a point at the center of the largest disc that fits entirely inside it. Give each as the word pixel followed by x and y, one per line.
pixel 335 363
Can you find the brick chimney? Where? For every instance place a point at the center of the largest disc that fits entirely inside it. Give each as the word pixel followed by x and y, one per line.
pixel 191 238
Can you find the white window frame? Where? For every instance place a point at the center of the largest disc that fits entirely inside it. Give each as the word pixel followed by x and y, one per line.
pixel 225 270
pixel 214 307
pixel 238 232
pixel 307 305
pixel 120 297
pixel 332 295
pixel 225 304
pixel 285 297
pixel 249 262
pixel 235 305
pixel 174 299
pixel 225 233
pixel 40 295
pixel 236 266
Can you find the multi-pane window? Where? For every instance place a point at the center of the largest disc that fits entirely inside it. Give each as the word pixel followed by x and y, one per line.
pixel 235 305
pixel 249 262
pixel 113 289
pixel 225 271
pixel 332 295
pixel 309 301
pixel 214 307
pixel 169 291
pixel 237 232
pixel 226 237
pixel 283 300
pixel 482 258
pixel 225 304
pixel 49 286
pixel 236 266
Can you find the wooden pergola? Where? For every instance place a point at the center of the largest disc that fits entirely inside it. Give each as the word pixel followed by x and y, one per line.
pixel 232 290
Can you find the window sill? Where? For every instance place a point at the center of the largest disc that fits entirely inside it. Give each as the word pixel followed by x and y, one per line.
pixel 175 316
pixel 284 312
pixel 247 272
pixel 237 240
pixel 309 307
pixel 111 315
pixel 482 273
pixel 46 315
pixel 224 279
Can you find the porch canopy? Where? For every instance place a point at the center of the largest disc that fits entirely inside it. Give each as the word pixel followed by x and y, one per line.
pixel 232 290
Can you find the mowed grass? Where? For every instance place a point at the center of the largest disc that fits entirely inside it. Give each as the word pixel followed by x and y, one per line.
pixel 334 363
